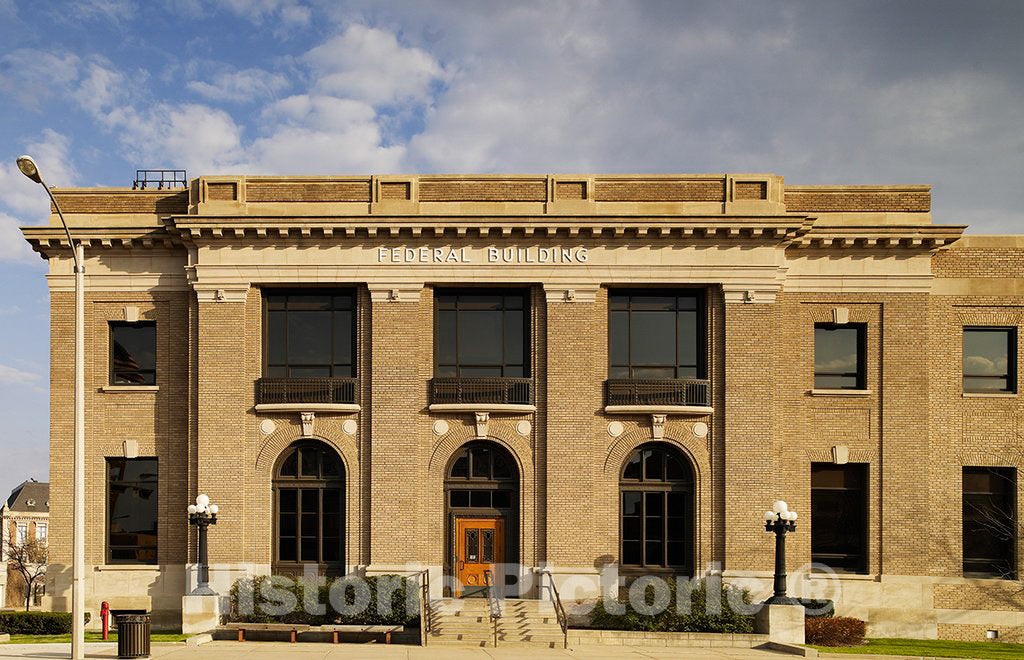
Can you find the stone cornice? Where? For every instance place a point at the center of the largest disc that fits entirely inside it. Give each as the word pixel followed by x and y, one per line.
pixel 46 240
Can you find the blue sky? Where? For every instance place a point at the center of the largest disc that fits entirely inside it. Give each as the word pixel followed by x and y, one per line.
pixel 851 92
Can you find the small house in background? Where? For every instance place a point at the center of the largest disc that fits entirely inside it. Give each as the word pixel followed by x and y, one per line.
pixel 24 516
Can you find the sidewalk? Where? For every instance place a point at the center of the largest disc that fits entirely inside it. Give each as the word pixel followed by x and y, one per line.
pixel 228 650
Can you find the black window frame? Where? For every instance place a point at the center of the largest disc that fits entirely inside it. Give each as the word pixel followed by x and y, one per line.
pixel 862 357
pixel 975 523
pixel 521 292
pixel 852 562
pixel 113 371
pixel 320 482
pixel 1011 360
pixel 664 486
pixel 349 292
pixel 109 510
pixel 700 310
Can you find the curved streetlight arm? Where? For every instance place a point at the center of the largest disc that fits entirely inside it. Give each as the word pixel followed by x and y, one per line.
pixel 74 252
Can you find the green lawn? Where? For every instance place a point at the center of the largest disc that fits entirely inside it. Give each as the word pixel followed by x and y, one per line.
pixel 92 637
pixel 931 647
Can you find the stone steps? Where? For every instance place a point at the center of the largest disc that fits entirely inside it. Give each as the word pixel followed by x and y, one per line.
pixel 523 622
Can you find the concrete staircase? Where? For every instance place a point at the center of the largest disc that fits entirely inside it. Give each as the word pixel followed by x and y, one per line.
pixel 467 622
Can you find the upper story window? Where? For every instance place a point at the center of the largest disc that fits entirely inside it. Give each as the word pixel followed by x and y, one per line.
pixel 22 534
pixel 990 360
pixel 310 334
pixel 839 516
pixel 132 353
pixel 41 532
pixel 482 333
pixel 990 522
pixel 655 334
pixel 131 510
pixel 840 356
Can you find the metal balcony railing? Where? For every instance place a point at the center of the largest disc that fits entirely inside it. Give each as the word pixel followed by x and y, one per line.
pixel 306 390
pixel 482 390
pixel 676 392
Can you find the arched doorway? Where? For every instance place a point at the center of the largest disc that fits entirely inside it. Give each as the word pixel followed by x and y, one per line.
pixel 481 491
pixel 309 510
pixel 657 511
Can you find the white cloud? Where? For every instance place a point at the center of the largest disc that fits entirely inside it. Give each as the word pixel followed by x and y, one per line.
pixel 369 64
pixel 25 197
pixel 11 375
pixel 109 11
pixel 32 76
pixel 12 244
pixel 289 11
pixel 240 86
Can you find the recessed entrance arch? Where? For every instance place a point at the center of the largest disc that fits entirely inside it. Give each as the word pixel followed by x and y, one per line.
pixel 309 509
pixel 481 492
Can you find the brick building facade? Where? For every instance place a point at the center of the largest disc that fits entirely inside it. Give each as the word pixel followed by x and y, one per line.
pixel 757 275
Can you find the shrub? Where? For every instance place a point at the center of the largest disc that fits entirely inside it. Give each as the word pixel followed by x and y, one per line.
pixel 815 607
pixel 258 600
pixel 698 619
pixel 834 631
pixel 36 623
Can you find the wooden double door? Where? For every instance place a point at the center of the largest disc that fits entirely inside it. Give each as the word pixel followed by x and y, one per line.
pixel 479 546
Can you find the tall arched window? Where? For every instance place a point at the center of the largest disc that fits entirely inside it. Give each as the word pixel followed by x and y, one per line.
pixel 309 498
pixel 657 509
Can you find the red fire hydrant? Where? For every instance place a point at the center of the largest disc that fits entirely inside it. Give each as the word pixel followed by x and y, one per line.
pixel 105 616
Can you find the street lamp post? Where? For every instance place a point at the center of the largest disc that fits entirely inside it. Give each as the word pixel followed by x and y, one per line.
pixel 780 520
pixel 202 514
pixel 28 168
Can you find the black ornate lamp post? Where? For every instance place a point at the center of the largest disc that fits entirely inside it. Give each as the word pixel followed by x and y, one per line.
pixel 780 520
pixel 202 514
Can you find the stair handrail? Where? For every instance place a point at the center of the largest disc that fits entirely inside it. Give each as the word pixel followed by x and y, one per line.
pixel 424 579
pixel 492 602
pixel 556 600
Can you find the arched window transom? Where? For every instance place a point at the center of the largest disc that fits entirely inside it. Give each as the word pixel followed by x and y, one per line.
pixel 482 475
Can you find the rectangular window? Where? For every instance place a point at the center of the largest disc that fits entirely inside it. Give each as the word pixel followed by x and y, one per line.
pixel 132 353
pixel 990 360
pixel 482 333
pixel 990 522
pixel 310 334
pixel 41 532
pixel 22 537
pixel 839 516
pixel 131 510
pixel 656 334
pixel 840 360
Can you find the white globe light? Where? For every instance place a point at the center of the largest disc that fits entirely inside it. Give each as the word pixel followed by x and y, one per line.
pixel 214 509
pixel 780 507
pixel 769 516
pixel 192 509
pixel 792 516
pixel 202 501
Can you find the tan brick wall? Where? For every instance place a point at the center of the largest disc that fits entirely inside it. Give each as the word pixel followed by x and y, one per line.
pixel 222 191
pixel 832 202
pixel 483 190
pixel 345 191
pixel 751 190
pixel 699 190
pixel 978 262
pixel 128 201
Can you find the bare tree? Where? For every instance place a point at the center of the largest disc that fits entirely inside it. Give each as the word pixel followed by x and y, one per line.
pixel 29 560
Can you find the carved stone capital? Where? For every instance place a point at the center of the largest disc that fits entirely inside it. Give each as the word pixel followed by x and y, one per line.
pixel 481 423
pixel 658 426
pixel 308 421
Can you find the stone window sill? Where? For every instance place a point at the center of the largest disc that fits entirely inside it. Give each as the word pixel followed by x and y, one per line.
pixel 659 410
pixel 840 392
pixel 128 567
pixel 308 407
pixel 862 577
pixel 130 388
pixel 989 395
pixel 483 407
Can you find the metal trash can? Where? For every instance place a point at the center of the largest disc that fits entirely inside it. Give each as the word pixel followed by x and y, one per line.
pixel 133 636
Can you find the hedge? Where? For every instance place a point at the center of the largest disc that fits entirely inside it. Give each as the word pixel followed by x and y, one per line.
pixel 261 600
pixel 834 631
pixel 36 623
pixel 726 620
